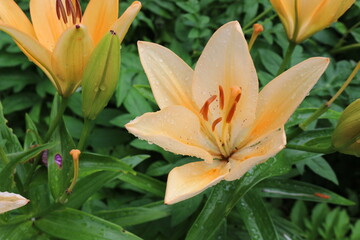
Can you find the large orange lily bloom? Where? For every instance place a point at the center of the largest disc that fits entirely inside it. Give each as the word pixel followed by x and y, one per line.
pixel 60 40
pixel 303 18
pixel 216 112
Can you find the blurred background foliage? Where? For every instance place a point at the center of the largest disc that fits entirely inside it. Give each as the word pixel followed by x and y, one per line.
pixel 135 203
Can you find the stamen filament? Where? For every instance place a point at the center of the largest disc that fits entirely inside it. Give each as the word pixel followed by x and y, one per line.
pixel 60 11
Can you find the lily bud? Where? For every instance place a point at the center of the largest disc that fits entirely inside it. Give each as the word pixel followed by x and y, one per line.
pixel 346 137
pixel 101 75
pixel 302 19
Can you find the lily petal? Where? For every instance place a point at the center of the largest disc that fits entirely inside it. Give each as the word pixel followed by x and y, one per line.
pixel 176 129
pixel 48 27
pixel 70 57
pixel 226 62
pixel 279 98
pixel 12 15
pixel 286 11
pixel 169 76
pixel 190 179
pixel 99 16
pixel 122 25
pixel 10 201
pixel 32 49
pixel 318 14
pixel 256 152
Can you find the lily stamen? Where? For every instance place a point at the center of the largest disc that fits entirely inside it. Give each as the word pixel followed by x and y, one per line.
pixel 221 96
pixel 71 8
pixel 205 108
pixel 215 123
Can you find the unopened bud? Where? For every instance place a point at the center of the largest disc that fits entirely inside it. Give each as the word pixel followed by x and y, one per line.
pixel 101 75
pixel 346 137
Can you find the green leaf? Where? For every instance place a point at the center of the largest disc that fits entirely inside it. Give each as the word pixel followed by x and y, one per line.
pixel 136 215
pixel 136 104
pixel 16 158
pixel 89 185
pixel 225 196
pixel 270 60
pixel 8 140
pixel 32 136
pixel 254 214
pixel 91 162
pixel 60 176
pixel 73 224
pixel 19 102
pixel 144 182
pixel 286 188
pixel 322 168
pixel 22 231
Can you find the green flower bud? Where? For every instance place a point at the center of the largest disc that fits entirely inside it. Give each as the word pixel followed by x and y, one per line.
pixel 101 75
pixel 346 137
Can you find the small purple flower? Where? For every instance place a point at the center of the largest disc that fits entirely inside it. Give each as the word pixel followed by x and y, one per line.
pixel 44 157
pixel 58 160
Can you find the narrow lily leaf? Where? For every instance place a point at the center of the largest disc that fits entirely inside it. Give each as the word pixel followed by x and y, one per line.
pixel 91 162
pixel 74 224
pixel 23 231
pixel 286 188
pixel 60 162
pixel 256 217
pixel 32 136
pixel 225 196
pixel 136 215
pixel 89 185
pixel 301 114
pixel 10 141
pixel 146 183
pixel 16 158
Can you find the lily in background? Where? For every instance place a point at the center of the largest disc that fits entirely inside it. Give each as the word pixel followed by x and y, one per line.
pixel 60 39
pixel 10 201
pixel 216 112
pixel 303 18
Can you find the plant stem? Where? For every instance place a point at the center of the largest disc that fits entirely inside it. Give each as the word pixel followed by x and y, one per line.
pixel 346 48
pixel 88 124
pixel 287 57
pixel 57 119
pixel 310 149
pixel 3 156
pixel 255 19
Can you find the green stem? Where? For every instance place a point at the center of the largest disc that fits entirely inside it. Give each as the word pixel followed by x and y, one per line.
pixel 287 57
pixel 346 48
pixel 310 149
pixel 254 20
pixel 88 124
pixel 55 122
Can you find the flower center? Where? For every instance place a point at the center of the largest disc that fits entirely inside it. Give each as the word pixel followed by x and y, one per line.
pixel 72 8
pixel 227 108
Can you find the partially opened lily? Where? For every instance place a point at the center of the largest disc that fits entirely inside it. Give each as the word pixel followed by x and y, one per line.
pixel 216 113
pixel 303 18
pixel 60 40
pixel 10 201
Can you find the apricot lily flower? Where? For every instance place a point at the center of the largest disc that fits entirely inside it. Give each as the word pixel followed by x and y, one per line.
pixel 215 112
pixel 10 201
pixel 303 18
pixel 60 40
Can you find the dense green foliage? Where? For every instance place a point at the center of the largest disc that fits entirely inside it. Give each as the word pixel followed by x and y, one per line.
pixel 122 179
